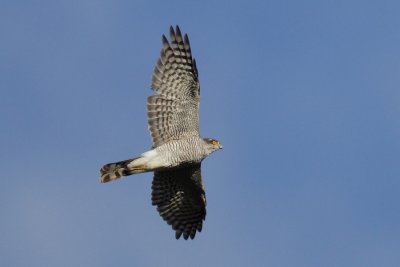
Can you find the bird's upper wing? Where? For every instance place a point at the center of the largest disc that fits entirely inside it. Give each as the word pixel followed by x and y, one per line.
pixel 174 111
pixel 180 199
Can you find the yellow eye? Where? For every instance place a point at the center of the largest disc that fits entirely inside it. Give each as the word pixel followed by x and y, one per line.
pixel 214 142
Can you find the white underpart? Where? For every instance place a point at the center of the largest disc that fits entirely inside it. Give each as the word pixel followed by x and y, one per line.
pixel 150 159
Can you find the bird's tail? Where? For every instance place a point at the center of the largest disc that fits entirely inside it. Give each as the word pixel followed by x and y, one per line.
pixel 116 170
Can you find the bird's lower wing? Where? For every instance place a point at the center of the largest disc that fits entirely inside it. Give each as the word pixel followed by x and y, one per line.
pixel 180 199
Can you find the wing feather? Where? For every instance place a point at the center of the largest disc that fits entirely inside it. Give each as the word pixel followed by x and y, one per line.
pixel 173 112
pixel 180 199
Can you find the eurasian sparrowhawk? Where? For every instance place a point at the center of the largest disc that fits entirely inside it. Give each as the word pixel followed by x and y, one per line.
pixel 178 149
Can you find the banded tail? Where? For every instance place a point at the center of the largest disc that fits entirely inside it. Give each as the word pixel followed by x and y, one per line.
pixel 116 170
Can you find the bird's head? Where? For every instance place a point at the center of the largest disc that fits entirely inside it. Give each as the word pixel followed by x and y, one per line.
pixel 212 144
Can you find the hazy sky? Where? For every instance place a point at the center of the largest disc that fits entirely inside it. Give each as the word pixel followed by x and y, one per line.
pixel 303 95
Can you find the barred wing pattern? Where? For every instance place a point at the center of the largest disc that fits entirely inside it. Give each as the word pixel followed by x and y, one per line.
pixel 180 199
pixel 173 113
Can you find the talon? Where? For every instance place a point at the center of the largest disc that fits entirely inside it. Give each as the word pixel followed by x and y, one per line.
pixel 140 168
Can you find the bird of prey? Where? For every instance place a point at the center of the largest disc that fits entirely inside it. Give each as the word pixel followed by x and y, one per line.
pixel 178 149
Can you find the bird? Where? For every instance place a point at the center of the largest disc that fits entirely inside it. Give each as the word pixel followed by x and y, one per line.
pixel 177 148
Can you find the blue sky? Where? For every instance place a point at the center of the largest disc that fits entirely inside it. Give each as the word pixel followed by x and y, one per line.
pixel 304 96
